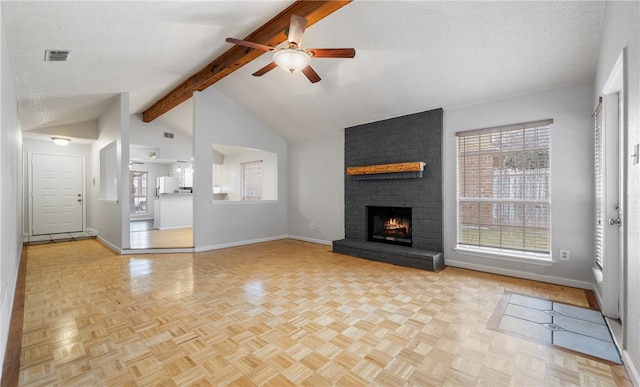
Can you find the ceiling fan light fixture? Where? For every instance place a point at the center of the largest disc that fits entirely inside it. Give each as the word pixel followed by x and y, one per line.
pixel 60 140
pixel 291 60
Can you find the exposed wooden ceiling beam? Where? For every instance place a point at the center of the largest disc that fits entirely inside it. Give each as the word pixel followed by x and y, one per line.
pixel 270 34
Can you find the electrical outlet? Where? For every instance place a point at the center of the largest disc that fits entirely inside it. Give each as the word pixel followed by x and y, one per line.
pixel 312 226
pixel 565 255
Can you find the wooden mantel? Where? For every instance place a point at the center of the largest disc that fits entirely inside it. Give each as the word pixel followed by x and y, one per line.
pixel 415 166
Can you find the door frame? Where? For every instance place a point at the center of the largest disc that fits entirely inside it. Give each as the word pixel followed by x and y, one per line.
pixel 29 190
pixel 613 286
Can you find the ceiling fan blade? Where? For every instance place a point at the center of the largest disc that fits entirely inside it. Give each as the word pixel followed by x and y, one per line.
pixel 311 74
pixel 331 52
pixel 249 44
pixel 296 30
pixel 265 69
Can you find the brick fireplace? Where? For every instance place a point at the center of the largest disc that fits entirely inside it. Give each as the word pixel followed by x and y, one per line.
pixel 416 242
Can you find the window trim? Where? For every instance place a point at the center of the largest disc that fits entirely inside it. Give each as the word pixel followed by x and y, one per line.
pixel 506 254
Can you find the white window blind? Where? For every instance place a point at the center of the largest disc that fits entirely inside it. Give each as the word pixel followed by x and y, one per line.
pixel 599 187
pixel 251 180
pixel 504 193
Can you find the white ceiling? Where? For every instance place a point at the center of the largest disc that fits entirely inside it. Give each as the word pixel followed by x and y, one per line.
pixel 411 56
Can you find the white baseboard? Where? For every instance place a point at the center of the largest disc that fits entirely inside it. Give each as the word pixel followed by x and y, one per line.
pixel 521 274
pixel 156 251
pixel 239 243
pixel 632 370
pixel 312 240
pixel 109 245
pixel 175 228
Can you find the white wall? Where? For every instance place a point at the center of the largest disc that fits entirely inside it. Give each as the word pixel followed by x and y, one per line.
pixel 316 188
pixel 217 120
pixel 111 220
pixel 48 147
pixel 621 30
pixel 572 200
pixel 10 191
pixel 180 147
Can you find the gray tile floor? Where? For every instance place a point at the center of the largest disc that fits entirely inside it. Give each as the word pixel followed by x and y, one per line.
pixel 574 328
pixel 61 237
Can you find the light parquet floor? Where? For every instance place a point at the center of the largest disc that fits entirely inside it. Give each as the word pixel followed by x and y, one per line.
pixel 277 314
pixel 162 239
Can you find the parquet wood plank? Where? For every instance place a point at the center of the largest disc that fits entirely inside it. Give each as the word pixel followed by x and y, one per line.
pixel 276 314
pixel 161 239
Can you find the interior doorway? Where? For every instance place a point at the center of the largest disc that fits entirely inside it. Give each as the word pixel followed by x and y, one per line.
pixel 156 217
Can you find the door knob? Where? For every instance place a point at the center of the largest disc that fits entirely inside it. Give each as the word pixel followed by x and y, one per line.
pixel 615 222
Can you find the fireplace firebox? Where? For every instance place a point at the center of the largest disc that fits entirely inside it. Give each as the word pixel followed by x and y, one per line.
pixel 389 225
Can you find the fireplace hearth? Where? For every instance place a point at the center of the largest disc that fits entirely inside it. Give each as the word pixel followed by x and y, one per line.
pixel 389 225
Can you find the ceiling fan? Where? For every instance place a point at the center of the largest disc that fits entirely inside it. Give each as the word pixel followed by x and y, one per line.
pixel 293 58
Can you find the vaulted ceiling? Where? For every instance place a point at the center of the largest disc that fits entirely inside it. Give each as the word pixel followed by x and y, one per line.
pixel 411 56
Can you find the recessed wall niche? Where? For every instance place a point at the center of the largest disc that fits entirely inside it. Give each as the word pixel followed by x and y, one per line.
pixel 109 173
pixel 229 174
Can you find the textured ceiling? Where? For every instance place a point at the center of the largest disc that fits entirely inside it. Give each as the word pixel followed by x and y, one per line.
pixel 411 56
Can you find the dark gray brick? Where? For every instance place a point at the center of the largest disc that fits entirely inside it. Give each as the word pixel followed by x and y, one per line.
pixel 415 137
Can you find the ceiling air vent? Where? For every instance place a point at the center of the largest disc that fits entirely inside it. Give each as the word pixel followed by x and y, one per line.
pixel 56 55
pixel 168 135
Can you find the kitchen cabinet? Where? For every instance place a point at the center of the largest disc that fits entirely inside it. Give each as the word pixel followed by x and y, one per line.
pixel 173 211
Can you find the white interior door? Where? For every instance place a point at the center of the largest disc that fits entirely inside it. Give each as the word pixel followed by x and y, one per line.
pixel 612 209
pixel 613 133
pixel 56 194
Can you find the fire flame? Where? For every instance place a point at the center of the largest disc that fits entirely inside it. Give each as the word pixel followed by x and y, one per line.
pixel 393 224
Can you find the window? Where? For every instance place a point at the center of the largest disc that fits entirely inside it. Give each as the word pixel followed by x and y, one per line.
pixel 251 180
pixel 138 194
pixel 504 196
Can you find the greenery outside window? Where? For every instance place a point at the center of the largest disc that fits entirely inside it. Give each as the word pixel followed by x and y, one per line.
pixel 504 193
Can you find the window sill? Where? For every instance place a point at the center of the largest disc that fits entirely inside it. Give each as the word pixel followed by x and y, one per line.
pixel 484 252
